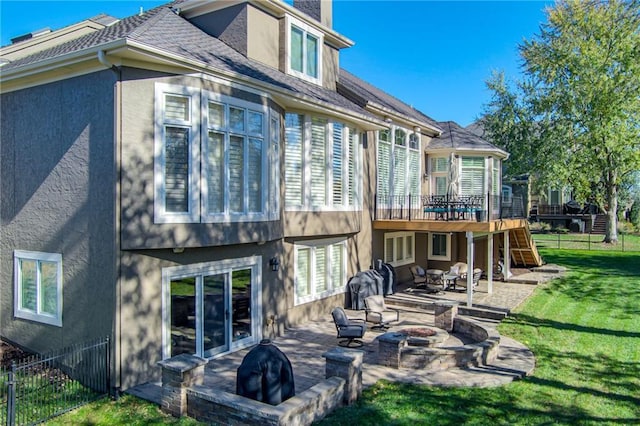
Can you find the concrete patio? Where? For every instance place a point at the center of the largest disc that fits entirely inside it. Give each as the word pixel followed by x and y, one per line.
pixel 305 345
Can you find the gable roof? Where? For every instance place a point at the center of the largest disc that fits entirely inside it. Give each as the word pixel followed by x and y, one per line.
pixel 164 32
pixel 456 138
pixel 367 95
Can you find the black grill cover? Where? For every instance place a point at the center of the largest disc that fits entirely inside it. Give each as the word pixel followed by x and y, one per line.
pixel 364 284
pixel 388 276
pixel 265 375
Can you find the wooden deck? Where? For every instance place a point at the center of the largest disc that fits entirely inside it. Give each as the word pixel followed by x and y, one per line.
pixel 420 225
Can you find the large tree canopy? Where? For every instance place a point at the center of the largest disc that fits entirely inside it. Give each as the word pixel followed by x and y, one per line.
pixel 574 118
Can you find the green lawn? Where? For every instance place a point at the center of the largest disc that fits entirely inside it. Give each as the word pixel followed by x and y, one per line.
pixel 585 332
pixel 583 328
pixel 128 410
pixel 626 242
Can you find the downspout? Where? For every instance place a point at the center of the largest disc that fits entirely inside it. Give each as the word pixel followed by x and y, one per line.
pixel 117 325
pixel 102 58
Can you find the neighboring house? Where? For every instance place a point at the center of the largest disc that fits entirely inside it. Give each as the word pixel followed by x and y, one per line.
pixel 202 175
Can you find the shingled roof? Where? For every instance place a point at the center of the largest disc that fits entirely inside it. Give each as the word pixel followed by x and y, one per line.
pixel 364 93
pixel 162 29
pixel 455 137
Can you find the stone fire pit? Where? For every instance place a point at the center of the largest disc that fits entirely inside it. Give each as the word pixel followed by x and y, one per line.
pixel 420 347
pixel 421 336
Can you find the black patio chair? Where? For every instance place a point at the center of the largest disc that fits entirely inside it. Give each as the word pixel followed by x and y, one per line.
pixel 350 330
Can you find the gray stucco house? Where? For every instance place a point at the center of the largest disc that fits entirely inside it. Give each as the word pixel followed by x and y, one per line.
pixel 201 175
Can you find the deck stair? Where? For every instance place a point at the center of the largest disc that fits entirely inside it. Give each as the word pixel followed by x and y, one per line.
pixel 523 249
pixel 599 224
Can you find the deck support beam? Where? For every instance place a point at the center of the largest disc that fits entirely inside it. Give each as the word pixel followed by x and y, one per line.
pixel 507 257
pixel 469 268
pixel 490 263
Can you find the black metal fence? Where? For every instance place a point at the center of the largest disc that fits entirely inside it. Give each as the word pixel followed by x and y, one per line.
pixel 44 386
pixel 444 207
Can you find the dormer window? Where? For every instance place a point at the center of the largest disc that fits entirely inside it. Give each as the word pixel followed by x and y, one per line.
pixel 304 51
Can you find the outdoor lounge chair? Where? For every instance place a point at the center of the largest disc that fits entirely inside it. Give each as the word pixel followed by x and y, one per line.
pixel 455 272
pixel 461 281
pixel 419 275
pixel 350 330
pixel 377 312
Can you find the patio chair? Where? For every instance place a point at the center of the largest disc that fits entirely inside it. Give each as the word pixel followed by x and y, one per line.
pixel 377 312
pixel 462 279
pixel 419 275
pixel 455 271
pixel 350 330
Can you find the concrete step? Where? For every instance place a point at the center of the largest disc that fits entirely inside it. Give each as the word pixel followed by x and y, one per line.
pixel 550 269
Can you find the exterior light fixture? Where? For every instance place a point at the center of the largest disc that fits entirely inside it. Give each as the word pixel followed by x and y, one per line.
pixel 274 263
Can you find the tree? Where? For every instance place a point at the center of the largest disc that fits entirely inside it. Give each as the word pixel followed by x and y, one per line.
pixel 580 95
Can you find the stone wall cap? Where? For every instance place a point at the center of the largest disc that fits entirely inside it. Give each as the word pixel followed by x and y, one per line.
pixel 446 303
pixel 343 354
pixel 182 362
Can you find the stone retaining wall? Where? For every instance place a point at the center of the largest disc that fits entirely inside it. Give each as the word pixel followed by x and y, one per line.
pixel 183 393
pixel 212 406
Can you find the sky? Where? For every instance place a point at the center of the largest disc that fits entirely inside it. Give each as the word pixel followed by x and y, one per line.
pixel 433 55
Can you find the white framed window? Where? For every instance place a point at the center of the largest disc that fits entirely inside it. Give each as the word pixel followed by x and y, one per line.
pixel 213 154
pixel 439 246
pixel 398 162
pixel 439 175
pixel 38 286
pixel 321 270
pixel 323 164
pixel 399 248
pixel 496 186
pixel 304 51
pixel 472 178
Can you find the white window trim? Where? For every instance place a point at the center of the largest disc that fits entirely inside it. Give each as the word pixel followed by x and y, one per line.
pixel 434 174
pixel 307 205
pixel 198 127
pixel 430 255
pixel 55 320
pixel 336 289
pixel 228 216
pixel 406 149
pixel 212 268
pixel 292 21
pixel 406 260
pixel 160 213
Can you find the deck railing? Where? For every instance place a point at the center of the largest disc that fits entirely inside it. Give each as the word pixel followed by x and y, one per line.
pixel 475 208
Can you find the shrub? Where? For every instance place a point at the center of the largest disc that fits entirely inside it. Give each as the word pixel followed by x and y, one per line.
pixel 540 227
pixel 626 227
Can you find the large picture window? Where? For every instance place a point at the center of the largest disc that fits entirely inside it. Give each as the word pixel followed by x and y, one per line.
pixel 399 248
pixel 320 270
pixel 213 157
pixel 322 164
pixel 398 163
pixel 38 286
pixel 304 55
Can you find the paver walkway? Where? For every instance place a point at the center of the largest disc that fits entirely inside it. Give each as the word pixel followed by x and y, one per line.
pixel 305 345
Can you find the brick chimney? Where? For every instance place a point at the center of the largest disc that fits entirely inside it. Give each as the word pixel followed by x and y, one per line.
pixel 320 10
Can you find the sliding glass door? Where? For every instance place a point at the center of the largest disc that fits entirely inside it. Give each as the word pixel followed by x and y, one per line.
pixel 211 308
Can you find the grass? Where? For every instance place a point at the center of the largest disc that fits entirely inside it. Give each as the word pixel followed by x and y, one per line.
pixel 585 332
pixel 128 410
pixel 626 242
